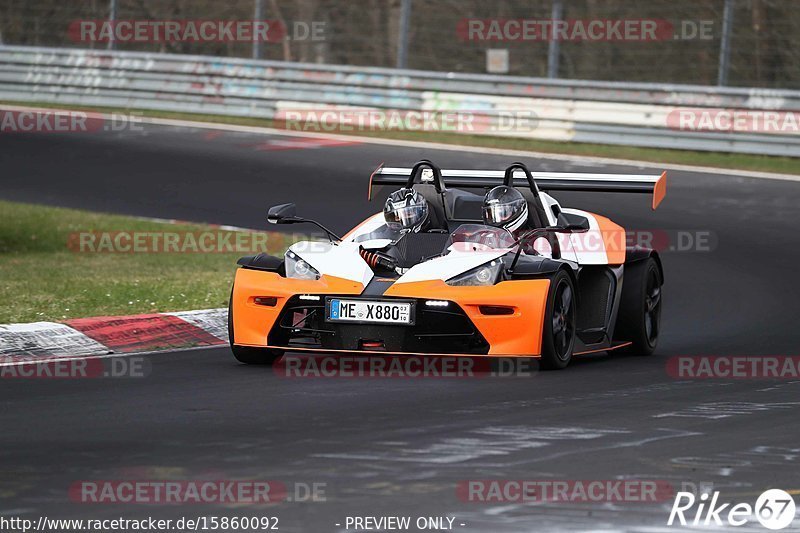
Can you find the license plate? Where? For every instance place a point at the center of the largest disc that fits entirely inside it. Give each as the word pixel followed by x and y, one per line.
pixel 369 312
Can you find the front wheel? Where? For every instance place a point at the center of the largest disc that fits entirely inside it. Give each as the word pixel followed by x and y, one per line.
pixel 639 318
pixel 558 339
pixel 246 354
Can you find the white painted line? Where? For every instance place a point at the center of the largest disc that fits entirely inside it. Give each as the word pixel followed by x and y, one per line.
pixel 574 159
pixel 223 227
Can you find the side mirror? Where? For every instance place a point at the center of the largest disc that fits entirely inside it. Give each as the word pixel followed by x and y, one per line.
pixel 282 214
pixel 572 223
pixel 285 214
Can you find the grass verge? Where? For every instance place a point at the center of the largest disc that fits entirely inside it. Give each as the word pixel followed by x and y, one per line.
pixel 762 163
pixel 45 275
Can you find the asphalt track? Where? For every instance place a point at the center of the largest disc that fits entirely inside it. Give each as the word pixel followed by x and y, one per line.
pixel 400 446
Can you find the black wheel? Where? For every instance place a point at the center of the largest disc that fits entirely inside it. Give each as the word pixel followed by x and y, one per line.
pixel 558 339
pixel 639 320
pixel 246 354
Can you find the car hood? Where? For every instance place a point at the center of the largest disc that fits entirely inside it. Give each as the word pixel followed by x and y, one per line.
pixel 344 261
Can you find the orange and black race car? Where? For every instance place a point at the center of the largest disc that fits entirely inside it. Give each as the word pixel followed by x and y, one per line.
pixel 563 284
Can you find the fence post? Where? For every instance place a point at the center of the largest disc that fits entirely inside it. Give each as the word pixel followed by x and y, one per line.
pixel 258 11
pixel 725 44
pixel 112 17
pixel 554 47
pixel 402 37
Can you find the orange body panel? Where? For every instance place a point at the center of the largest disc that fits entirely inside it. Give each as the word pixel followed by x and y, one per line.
pixel 660 190
pixel 613 238
pixel 517 334
pixel 251 322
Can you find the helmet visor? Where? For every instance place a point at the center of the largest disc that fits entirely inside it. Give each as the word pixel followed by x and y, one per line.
pixel 498 213
pixel 406 216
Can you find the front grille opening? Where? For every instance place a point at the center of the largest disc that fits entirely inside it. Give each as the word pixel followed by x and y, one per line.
pixel 436 330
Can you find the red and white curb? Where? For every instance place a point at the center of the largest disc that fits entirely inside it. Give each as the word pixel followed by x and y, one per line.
pixel 100 336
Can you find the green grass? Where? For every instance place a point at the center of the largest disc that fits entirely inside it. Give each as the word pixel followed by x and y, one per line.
pixel 784 165
pixel 42 278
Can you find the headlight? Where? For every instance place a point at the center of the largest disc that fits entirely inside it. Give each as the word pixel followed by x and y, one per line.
pixel 487 274
pixel 298 269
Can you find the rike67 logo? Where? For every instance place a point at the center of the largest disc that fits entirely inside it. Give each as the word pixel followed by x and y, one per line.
pixel 774 509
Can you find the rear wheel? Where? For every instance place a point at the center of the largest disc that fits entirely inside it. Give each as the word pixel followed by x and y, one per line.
pixel 247 354
pixel 558 339
pixel 639 318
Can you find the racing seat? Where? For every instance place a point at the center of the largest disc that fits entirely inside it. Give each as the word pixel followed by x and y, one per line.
pixel 414 248
pixel 436 212
pixel 463 207
pixel 537 218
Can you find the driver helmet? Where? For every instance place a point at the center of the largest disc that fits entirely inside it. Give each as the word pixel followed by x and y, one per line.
pixel 505 207
pixel 405 210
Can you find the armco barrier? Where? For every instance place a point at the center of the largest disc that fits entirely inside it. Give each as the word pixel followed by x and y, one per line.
pixel 566 110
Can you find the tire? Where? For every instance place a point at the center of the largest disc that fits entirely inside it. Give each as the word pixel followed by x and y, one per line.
pixel 246 354
pixel 558 337
pixel 639 320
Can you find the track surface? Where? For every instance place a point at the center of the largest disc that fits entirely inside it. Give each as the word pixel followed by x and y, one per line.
pixel 395 446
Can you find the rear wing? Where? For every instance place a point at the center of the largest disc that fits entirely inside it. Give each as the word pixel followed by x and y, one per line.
pixel 518 175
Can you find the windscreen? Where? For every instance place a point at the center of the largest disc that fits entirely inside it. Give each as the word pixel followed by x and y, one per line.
pixel 479 237
pixel 382 232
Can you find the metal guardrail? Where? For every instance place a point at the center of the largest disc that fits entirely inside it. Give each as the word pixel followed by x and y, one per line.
pixel 580 111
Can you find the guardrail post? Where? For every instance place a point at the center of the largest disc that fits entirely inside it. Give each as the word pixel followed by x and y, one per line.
pixel 258 11
pixel 554 47
pixel 402 37
pixel 725 44
pixel 112 17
